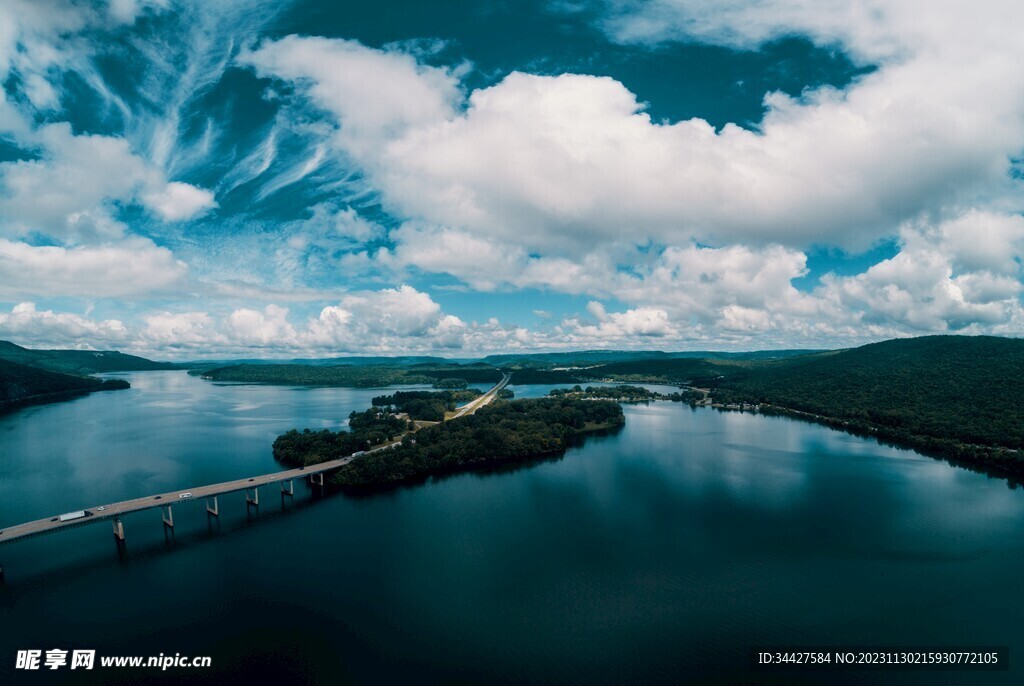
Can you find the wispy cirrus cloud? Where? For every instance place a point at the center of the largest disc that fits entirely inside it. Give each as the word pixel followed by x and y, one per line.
pixel 67 192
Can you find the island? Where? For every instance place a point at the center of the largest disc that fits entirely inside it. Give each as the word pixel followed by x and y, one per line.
pixel 500 433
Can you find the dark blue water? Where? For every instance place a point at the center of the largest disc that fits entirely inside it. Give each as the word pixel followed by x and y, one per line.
pixel 658 553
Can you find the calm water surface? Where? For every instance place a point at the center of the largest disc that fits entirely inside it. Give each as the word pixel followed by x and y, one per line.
pixel 658 553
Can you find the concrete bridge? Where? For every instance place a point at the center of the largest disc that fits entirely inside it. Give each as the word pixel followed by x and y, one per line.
pixel 209 494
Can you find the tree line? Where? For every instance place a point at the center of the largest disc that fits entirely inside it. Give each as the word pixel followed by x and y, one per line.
pixel 501 432
pixel 426 405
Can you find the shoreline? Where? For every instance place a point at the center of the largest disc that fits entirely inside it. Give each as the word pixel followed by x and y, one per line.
pixel 481 466
pixel 54 397
pixel 521 431
pixel 998 461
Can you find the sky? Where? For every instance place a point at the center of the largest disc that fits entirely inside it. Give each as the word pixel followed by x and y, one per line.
pixel 203 179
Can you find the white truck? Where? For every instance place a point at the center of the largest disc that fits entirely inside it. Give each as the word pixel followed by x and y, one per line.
pixel 71 516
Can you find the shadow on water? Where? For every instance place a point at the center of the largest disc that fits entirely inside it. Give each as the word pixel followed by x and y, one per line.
pixel 1014 479
pixel 46 399
pixel 125 553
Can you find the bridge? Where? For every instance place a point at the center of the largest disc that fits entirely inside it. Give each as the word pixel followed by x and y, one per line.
pixel 210 493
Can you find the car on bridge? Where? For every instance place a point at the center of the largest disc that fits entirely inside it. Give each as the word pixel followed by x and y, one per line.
pixel 185 495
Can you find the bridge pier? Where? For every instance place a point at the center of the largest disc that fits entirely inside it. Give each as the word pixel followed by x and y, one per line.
pixel 290 490
pixel 254 499
pixel 167 516
pixel 118 529
pixel 215 511
pixel 317 479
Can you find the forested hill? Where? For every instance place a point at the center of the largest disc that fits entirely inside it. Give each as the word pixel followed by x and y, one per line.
pixel 21 384
pixel 78 361
pixel 365 376
pixel 693 370
pixel 963 389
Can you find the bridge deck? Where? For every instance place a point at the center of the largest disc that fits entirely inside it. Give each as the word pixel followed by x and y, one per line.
pixel 149 502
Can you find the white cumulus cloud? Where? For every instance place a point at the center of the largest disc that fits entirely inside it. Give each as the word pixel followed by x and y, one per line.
pixel 31 326
pixel 176 201
pixel 129 267
pixel 557 163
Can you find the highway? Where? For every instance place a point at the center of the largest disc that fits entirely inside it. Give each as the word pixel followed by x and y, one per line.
pixel 199 493
pixel 471 407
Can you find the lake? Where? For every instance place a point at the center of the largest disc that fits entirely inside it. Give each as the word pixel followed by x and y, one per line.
pixel 658 553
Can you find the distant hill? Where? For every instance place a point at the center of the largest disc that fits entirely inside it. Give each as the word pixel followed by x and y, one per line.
pixel 78 361
pixel 310 375
pixel 573 358
pixel 961 396
pixel 515 360
pixel 689 369
pixel 592 357
pixel 21 385
pixel 936 392
pixel 400 361
pixel 361 376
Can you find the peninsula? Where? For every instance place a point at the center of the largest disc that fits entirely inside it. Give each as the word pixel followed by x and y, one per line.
pixel 24 385
pixel 503 432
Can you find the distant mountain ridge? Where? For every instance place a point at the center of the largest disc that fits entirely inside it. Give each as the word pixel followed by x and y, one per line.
pixel 80 362
pixel 608 356
pixel 96 362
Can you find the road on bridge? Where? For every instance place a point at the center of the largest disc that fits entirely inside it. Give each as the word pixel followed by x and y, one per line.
pixel 473 406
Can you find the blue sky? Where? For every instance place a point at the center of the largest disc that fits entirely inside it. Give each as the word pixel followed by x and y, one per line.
pixel 255 178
